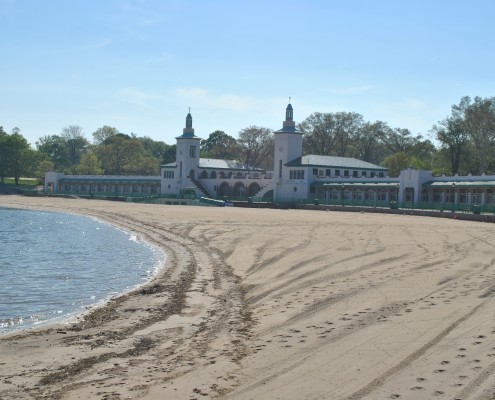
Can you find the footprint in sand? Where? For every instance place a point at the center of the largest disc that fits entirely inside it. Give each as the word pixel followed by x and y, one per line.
pixel 445 362
pixel 439 370
pixel 421 379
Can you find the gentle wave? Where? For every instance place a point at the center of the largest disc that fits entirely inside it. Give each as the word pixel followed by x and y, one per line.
pixel 55 265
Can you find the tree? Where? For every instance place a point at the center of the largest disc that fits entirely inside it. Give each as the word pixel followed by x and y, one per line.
pixel 399 140
pixel 20 159
pixel 152 148
pixel 89 165
pixel 103 133
pixel 346 126
pixel 479 118
pixel 55 148
pixel 451 132
pixel 319 134
pixel 256 146
pixel 75 141
pixel 368 140
pixel 169 155
pixel 3 153
pixel 331 133
pixel 220 145
pixel 120 154
pixel 147 166
pixel 396 163
pixel 43 167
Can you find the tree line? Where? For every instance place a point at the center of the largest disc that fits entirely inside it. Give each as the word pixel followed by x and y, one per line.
pixel 466 144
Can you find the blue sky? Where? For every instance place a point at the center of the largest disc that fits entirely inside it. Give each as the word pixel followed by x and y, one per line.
pixel 138 65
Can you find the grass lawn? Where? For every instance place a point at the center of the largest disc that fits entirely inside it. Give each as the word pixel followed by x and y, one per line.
pixel 22 181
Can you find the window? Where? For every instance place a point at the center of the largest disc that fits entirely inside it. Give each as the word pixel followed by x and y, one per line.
pixel 346 172
pixel 280 168
pixel 315 171
pixel 328 172
pixel 354 174
pixel 337 172
pixel 380 174
pixel 321 173
pixel 296 174
pixel 363 174
pixel 168 174
pixel 192 151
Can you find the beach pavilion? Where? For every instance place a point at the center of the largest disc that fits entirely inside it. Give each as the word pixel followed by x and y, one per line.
pixel 295 178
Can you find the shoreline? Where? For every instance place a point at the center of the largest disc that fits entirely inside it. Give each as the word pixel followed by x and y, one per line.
pixel 74 316
pixel 276 304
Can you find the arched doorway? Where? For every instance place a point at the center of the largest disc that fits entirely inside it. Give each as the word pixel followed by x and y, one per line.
pixel 204 175
pixel 409 194
pixel 253 189
pixel 191 174
pixel 239 189
pixel 223 189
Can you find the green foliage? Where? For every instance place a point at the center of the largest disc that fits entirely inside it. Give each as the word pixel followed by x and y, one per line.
pixel 18 159
pixel 54 148
pixel 219 145
pixel 169 154
pixel 89 165
pixel 75 141
pixel 466 137
pixel 256 146
pixel 397 162
pixel 103 133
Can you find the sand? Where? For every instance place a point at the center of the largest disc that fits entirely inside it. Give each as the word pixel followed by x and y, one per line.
pixel 275 304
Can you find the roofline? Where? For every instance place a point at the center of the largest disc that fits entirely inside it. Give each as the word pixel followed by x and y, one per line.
pixel 289 164
pixel 233 169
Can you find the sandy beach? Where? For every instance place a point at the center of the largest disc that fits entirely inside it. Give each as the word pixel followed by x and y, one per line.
pixel 275 304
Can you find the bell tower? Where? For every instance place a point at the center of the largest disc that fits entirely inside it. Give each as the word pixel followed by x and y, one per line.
pixel 288 144
pixel 187 155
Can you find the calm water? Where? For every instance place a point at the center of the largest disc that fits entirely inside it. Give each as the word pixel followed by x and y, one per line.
pixel 53 265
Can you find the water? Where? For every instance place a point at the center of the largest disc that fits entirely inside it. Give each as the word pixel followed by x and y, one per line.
pixel 53 265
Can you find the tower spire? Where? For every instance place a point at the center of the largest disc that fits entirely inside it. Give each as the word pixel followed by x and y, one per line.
pixel 289 113
pixel 188 130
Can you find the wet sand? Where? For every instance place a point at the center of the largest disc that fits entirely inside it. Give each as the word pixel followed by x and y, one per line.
pixel 276 304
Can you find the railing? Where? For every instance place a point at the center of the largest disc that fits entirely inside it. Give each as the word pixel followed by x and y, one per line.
pixel 441 207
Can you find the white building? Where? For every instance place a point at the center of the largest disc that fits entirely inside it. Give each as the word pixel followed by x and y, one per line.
pixel 294 178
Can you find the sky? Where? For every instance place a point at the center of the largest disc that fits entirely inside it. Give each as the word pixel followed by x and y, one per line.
pixel 139 65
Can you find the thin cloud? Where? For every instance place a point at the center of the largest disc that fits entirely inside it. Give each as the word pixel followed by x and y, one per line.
pixel 225 101
pixel 351 90
pixel 158 59
pixel 136 96
pixel 99 44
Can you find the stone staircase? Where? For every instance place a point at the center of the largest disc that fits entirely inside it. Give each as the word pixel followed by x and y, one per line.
pixel 200 188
